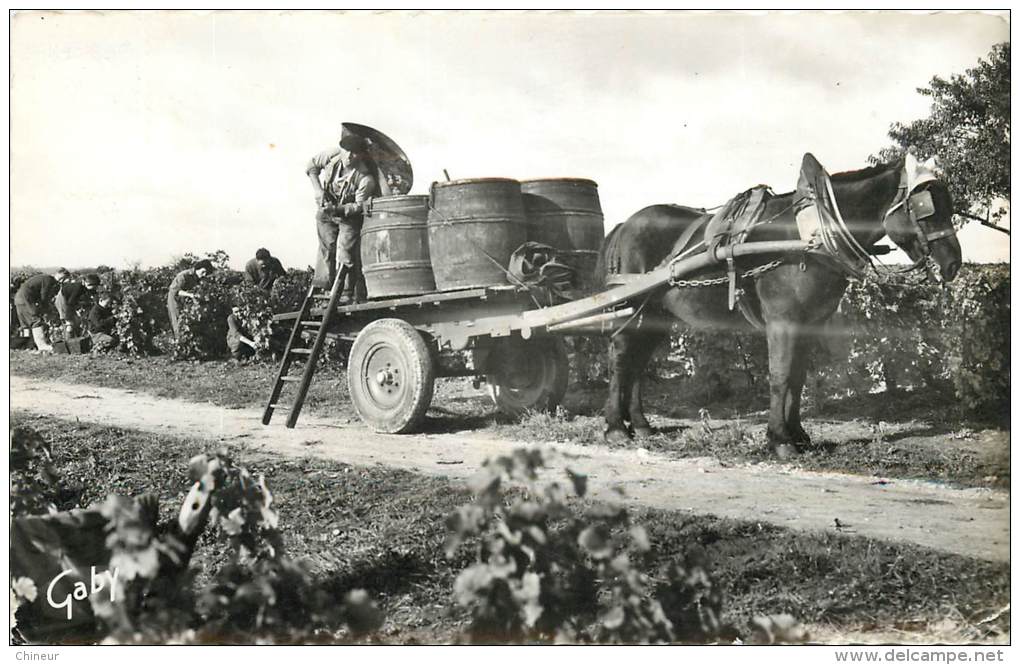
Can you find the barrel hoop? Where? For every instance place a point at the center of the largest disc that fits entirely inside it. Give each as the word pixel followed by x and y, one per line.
pixel 568 213
pixel 401 205
pixel 398 265
pixel 536 183
pixel 389 227
pixel 415 212
pixel 401 201
pixel 480 220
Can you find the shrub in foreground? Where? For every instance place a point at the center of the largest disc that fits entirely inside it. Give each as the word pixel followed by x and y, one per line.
pixel 544 572
pixel 259 594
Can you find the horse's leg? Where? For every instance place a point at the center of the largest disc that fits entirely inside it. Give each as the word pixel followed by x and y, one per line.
pixel 644 346
pixel 798 374
pixel 617 401
pixel 782 341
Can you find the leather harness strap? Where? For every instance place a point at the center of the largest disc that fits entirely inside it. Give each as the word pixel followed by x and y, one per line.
pixel 731 225
pixel 688 233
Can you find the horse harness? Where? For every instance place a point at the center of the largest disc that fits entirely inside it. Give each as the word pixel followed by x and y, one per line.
pixel 815 189
pixel 832 239
pixel 918 207
pixel 723 230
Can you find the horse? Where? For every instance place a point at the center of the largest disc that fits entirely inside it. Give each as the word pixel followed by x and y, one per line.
pixel 792 300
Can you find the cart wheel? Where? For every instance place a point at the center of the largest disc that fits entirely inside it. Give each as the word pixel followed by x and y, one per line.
pixel 390 375
pixel 528 375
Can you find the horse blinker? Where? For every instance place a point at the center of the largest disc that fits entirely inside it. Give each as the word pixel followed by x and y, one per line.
pixel 921 205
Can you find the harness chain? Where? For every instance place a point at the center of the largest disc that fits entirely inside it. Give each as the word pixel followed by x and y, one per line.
pixel 719 281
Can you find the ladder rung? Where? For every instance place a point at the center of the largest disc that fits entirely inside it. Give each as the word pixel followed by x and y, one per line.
pixel 314 318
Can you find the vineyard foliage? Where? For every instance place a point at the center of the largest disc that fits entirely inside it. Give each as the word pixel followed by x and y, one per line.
pixel 884 337
pixel 548 566
pixel 924 336
pixel 35 484
pixel 258 593
pixel 545 572
pixel 143 322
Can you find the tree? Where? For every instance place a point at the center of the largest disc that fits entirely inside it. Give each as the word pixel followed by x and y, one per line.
pixel 968 130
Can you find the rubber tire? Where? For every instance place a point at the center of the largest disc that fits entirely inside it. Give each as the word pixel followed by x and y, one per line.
pixel 395 342
pixel 544 355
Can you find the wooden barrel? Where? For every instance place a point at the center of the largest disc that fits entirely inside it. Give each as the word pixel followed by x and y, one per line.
pixel 564 213
pixel 474 227
pixel 395 247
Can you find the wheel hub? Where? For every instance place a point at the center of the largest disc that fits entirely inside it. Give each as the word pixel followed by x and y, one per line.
pixel 382 376
pixel 386 377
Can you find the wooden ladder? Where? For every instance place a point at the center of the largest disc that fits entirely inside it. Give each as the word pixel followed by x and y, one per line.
pixel 295 350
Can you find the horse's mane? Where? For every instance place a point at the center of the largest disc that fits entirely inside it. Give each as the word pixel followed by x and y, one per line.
pixel 867 172
pixel 850 177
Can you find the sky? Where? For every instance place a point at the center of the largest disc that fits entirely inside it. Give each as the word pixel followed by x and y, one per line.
pixel 139 136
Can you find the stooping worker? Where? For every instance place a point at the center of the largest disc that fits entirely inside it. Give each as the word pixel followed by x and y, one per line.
pixel 344 181
pixel 101 324
pixel 34 297
pixel 263 270
pixel 240 344
pixel 70 298
pixel 183 283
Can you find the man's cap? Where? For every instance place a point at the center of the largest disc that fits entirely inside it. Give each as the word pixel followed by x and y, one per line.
pixel 92 278
pixel 262 254
pixel 350 140
pixel 205 264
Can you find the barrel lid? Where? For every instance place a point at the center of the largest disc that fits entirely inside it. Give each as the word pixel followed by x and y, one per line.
pixel 578 181
pixel 474 181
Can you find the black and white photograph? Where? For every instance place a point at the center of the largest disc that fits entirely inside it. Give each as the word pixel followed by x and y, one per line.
pixel 405 328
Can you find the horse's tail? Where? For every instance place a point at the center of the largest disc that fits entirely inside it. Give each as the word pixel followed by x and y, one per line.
pixel 608 256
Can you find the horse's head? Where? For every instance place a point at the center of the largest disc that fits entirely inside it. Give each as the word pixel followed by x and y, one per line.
pixel 920 222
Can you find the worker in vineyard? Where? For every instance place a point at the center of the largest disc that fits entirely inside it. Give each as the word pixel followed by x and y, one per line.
pixel 34 298
pixel 102 324
pixel 239 342
pixel 74 294
pixel 263 270
pixel 182 286
pixel 344 181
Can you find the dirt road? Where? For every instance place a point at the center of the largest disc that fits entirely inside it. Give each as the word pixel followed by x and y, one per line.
pixel 971 522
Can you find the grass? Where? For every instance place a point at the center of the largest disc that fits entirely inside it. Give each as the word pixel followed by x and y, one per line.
pixel 905 435
pixel 383 529
pixel 959 457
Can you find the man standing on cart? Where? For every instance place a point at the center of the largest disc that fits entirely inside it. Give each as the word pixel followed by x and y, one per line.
pixel 344 179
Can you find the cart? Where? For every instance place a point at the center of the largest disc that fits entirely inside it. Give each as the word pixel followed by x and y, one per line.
pixel 402 345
